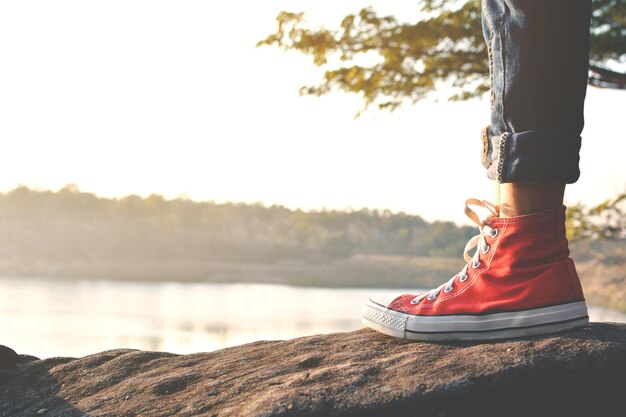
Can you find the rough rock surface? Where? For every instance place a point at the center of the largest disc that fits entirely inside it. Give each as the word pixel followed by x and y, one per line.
pixel 582 372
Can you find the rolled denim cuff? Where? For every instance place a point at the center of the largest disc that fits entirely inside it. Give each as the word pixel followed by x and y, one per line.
pixel 534 156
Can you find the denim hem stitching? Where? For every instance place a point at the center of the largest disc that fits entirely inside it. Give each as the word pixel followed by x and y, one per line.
pixel 501 155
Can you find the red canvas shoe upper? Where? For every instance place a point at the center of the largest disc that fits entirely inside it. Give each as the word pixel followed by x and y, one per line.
pixel 520 263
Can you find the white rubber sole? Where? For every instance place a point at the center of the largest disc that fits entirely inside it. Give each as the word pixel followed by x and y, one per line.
pixel 494 326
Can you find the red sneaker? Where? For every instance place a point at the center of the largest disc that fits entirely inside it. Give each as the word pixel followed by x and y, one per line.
pixel 520 282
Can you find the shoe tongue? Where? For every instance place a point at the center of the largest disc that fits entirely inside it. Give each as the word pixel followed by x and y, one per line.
pixel 490 218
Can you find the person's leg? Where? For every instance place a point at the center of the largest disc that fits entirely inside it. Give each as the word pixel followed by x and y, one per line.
pixel 538 57
pixel 519 198
pixel 520 281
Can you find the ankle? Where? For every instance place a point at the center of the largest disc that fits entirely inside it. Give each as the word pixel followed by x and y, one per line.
pixel 517 199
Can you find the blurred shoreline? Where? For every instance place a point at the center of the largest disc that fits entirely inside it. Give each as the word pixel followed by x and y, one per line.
pixel 360 271
pixel 604 283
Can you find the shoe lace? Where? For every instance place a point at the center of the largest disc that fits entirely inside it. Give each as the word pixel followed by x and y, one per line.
pixel 479 242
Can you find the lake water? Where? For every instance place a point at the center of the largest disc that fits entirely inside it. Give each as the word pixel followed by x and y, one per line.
pixel 49 318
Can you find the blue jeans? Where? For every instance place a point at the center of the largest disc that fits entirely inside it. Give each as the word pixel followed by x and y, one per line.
pixel 538 62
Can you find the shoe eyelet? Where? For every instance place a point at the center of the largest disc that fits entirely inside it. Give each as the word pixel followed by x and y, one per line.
pixel 431 298
pixel 448 289
pixel 463 278
pixel 415 301
pixel 475 265
pixel 494 233
pixel 484 251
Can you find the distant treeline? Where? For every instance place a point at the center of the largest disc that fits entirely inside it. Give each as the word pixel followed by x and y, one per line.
pixel 69 225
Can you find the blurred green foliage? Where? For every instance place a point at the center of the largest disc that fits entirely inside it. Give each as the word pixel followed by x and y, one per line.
pixel 70 225
pixel 606 220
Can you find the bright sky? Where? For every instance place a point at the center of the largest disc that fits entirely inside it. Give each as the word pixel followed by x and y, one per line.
pixel 172 97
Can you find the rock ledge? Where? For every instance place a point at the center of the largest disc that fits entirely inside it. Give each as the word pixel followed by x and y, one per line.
pixel 361 373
